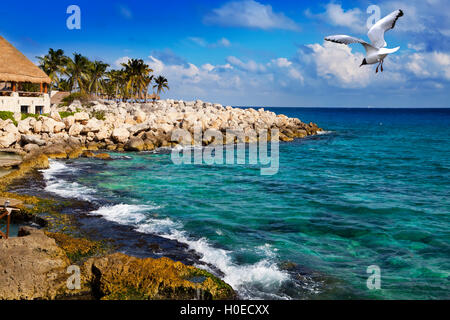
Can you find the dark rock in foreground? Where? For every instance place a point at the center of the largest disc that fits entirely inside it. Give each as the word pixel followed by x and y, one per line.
pixel 35 266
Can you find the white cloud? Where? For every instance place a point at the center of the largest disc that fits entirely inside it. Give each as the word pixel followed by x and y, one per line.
pixel 208 67
pixel 240 81
pixel 295 74
pixel 429 65
pixel 251 65
pixel 414 19
pixel 250 14
pixel 224 42
pixel 336 62
pixel 189 73
pixel 118 62
pixel 282 62
pixel 352 18
pixel 417 46
pixel 221 43
pixel 442 59
pixel 303 79
pixel 156 65
pixel 285 66
pixel 198 41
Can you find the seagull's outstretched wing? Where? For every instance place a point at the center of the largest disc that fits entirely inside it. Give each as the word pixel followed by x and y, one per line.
pixel 376 33
pixel 343 39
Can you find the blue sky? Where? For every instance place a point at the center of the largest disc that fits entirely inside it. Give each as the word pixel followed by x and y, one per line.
pixel 252 52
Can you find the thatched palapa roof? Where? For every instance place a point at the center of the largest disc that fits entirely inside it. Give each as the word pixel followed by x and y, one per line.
pixel 15 67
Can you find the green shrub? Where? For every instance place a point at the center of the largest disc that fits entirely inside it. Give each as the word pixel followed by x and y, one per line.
pixel 100 115
pixel 33 115
pixel 5 115
pixel 65 114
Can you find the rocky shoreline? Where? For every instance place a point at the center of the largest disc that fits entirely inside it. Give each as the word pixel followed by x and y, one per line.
pixel 124 126
pixel 84 131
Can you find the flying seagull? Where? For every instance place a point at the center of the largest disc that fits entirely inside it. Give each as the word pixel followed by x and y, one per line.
pixel 377 51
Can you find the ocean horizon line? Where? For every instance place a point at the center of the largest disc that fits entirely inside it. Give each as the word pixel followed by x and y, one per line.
pixel 321 107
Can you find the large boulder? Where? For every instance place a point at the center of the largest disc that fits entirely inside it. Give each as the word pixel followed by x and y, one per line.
pixel 11 128
pixel 75 106
pixel 137 129
pixel 7 139
pixel 24 126
pixel 17 116
pixel 103 134
pixel 55 116
pixel 69 121
pixel 100 108
pixel 31 147
pixel 37 128
pixel 121 135
pixel 26 139
pixel 56 151
pixel 140 117
pixel 4 123
pixel 33 267
pixel 174 117
pixel 135 144
pixel 81 116
pixel 48 125
pixel 119 276
pixel 93 125
pixel 166 127
pixel 75 130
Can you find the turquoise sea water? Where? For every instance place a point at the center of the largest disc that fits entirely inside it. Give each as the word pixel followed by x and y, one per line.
pixel 373 191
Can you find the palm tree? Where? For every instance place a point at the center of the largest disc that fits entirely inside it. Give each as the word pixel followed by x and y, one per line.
pixel 96 76
pixel 65 85
pixel 147 82
pixel 161 84
pixel 117 80
pixel 77 70
pixel 136 71
pixel 53 65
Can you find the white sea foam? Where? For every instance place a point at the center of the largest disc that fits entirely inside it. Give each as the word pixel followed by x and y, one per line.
pixel 62 187
pixel 263 276
pixel 124 214
pixel 267 250
pixel 56 167
pixel 320 133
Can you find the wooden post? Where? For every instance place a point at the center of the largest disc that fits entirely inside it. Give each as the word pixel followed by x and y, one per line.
pixel 7 226
pixel 13 86
pixel 46 88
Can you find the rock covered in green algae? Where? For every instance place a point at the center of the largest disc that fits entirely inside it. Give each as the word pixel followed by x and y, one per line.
pixel 35 267
pixel 121 277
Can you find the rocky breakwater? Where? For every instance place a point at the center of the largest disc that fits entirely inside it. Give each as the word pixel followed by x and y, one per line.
pixel 137 127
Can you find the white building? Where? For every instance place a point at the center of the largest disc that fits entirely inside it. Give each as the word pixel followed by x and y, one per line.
pixel 23 86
